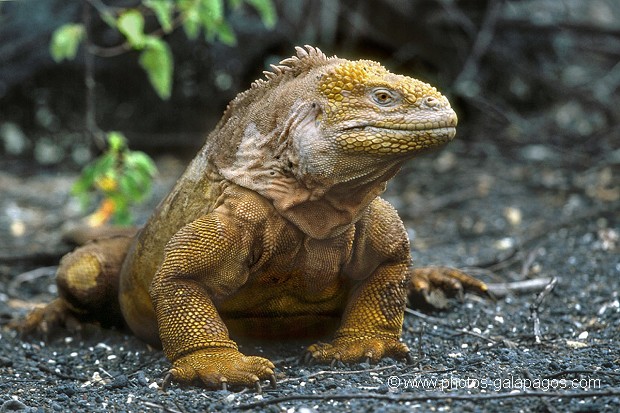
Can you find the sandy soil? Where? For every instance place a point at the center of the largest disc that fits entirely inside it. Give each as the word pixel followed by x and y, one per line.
pixel 509 214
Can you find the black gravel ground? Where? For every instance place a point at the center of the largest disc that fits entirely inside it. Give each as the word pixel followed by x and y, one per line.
pixel 511 214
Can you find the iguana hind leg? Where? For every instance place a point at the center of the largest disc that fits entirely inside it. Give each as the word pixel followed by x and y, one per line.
pixel 87 281
pixel 431 286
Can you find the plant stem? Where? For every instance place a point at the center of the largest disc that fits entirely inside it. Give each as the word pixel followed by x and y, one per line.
pixel 96 135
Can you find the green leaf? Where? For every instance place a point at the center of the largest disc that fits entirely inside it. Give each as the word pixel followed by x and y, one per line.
pixel 156 60
pixel 121 216
pixel 104 164
pixel 216 27
pixel 116 141
pixel 135 185
pixel 65 41
pixel 85 182
pixel 191 17
pixel 212 10
pixel 131 24
pixel 191 25
pixel 208 18
pixel 226 34
pixel 119 175
pixel 130 187
pixel 142 162
pixel 163 11
pixel 266 11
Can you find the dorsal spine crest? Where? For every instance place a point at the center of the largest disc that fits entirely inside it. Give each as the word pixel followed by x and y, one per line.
pixel 308 57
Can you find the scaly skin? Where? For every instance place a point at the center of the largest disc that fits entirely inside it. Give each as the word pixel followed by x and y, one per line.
pixel 277 229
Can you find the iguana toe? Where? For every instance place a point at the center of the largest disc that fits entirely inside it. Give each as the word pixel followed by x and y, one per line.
pixel 354 350
pixel 221 368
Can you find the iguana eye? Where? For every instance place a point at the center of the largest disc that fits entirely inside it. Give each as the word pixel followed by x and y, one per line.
pixel 383 97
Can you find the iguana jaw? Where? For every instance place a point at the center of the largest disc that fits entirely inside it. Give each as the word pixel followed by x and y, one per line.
pixel 383 138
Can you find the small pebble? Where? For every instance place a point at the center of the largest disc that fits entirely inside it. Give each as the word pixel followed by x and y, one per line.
pixel 118 382
pixel 13 406
pixel 5 362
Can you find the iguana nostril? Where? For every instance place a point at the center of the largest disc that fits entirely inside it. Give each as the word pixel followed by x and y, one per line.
pixel 431 102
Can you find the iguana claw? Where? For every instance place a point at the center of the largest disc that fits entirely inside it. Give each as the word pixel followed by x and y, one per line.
pixel 433 285
pixel 166 381
pixel 409 358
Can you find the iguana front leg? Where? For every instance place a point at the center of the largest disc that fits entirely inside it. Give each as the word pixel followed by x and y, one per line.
pixel 372 323
pixel 205 260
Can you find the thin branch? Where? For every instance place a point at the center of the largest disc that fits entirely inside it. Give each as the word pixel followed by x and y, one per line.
pixel 551 27
pixel 527 374
pixel 581 371
pixel 420 350
pixel 103 8
pixel 536 305
pixel 63 376
pixel 335 372
pixel 125 46
pixel 28 277
pixel 544 231
pixel 482 42
pixel 518 287
pixel 160 407
pixel 459 17
pixel 527 263
pixel 407 397
pixel 459 331
pixel 92 129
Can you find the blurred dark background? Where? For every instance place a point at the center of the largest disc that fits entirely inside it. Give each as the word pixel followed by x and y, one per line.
pixel 542 73
pixel 529 190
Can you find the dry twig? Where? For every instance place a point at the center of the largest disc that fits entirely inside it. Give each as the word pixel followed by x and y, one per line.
pixel 28 277
pixel 518 287
pixel 408 397
pixel 457 331
pixel 536 305
pixel 527 374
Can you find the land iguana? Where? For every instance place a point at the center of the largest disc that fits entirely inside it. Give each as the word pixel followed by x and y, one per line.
pixel 276 229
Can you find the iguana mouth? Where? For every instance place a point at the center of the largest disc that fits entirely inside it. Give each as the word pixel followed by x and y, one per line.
pixel 438 129
pixel 448 125
pixel 392 139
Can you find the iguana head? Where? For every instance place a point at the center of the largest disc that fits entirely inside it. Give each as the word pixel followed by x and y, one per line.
pixel 321 136
pixel 370 110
